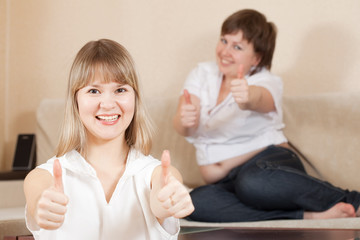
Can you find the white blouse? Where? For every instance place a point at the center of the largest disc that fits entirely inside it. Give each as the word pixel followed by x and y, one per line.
pixel 89 216
pixel 226 131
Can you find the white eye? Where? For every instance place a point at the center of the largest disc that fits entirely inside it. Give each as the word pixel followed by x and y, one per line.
pixel 223 40
pixel 120 90
pixel 94 91
pixel 236 47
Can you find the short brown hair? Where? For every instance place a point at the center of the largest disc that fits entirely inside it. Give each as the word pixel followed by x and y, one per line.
pixel 256 30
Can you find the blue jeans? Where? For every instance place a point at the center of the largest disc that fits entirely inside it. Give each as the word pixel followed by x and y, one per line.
pixel 271 185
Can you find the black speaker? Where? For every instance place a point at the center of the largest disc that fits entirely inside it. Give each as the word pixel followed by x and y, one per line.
pixel 25 152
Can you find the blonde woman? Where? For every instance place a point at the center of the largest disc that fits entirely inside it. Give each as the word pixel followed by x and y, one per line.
pixel 102 183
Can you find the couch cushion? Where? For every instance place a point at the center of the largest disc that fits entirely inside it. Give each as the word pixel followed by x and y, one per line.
pixel 338 223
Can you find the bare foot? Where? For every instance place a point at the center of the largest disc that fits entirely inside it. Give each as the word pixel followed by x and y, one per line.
pixel 339 210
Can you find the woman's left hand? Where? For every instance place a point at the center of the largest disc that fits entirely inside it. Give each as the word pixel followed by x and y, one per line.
pixel 173 195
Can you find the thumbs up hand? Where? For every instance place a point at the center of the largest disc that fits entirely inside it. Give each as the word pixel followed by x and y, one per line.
pixel 240 88
pixel 58 184
pixel 189 113
pixel 173 196
pixel 187 97
pixel 51 206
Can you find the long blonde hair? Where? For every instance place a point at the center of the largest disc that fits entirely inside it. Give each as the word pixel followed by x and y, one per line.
pixel 114 63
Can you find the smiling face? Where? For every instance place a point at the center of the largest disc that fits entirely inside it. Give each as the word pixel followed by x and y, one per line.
pixel 233 50
pixel 106 109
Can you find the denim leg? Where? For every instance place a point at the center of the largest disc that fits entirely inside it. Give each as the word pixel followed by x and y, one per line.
pixel 218 203
pixel 276 179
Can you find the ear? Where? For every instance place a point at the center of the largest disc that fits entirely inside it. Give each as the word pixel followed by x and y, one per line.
pixel 256 59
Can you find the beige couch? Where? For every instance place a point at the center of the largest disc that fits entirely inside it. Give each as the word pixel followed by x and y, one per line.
pixel 324 128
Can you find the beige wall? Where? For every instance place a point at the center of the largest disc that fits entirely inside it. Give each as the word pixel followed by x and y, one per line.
pixel 317 50
pixel 2 77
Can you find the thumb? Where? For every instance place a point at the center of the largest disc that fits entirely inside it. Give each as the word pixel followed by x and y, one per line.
pixel 240 73
pixel 187 97
pixel 58 184
pixel 165 166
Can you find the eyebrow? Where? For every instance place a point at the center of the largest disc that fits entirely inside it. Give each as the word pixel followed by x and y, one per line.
pixel 237 42
pixel 99 85
pixel 93 85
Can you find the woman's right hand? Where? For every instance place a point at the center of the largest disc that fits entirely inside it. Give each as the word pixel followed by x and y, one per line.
pixel 52 204
pixel 189 113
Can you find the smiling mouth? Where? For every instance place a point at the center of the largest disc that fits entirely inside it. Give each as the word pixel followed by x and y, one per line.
pixel 223 61
pixel 108 118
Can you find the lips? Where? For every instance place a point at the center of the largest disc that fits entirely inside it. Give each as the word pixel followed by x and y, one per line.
pixel 108 118
pixel 224 61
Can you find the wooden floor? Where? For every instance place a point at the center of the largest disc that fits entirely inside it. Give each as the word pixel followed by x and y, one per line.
pixel 260 234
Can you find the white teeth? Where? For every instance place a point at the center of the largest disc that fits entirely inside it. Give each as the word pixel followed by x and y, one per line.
pixel 108 118
pixel 225 61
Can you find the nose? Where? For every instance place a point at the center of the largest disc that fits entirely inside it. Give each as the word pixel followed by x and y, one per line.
pixel 107 101
pixel 227 49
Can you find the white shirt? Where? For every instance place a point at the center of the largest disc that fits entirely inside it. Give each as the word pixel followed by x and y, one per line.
pixel 226 131
pixel 89 216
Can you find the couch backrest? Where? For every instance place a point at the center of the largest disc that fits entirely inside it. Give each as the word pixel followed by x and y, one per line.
pixel 324 128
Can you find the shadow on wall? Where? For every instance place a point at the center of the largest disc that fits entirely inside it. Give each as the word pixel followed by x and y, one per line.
pixel 324 59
